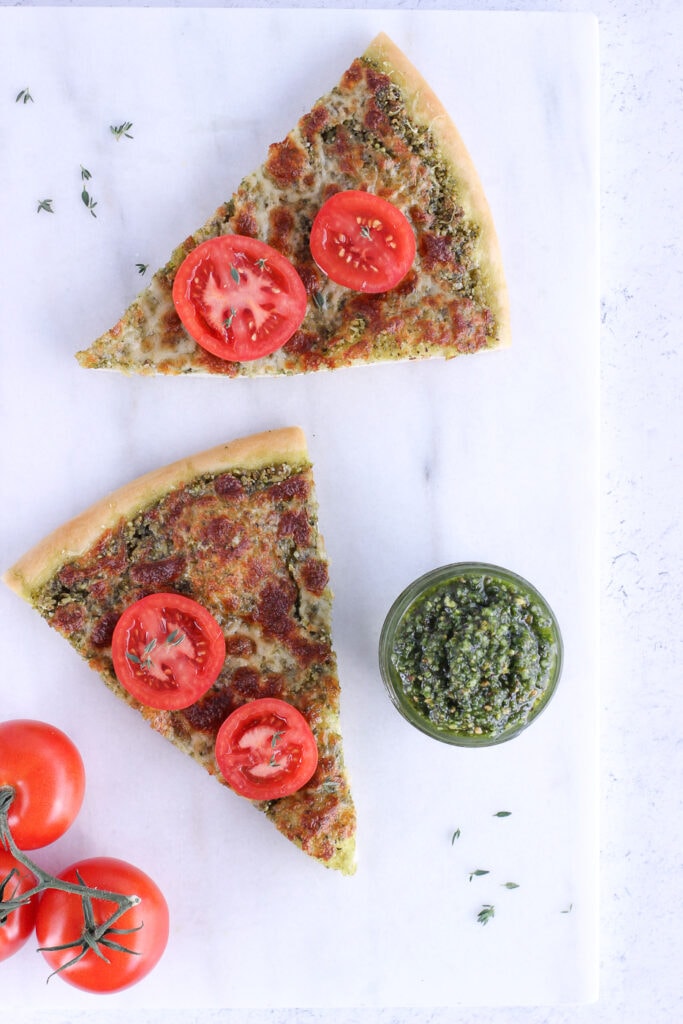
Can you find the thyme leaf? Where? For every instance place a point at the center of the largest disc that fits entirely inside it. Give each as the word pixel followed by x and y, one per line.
pixel 486 913
pixel 45 204
pixel 121 130
pixel 510 885
pixel 456 835
pixel 24 97
pixel 142 267
pixel 478 873
pixel 235 274
pixel 502 814
pixel 88 202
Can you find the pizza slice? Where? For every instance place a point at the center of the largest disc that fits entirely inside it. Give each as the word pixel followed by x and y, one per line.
pixel 382 137
pixel 234 530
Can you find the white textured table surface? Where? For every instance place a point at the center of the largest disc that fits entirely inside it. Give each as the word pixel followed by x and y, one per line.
pixel 641 547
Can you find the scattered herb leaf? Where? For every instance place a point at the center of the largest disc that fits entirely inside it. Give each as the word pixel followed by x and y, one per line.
pixel 510 885
pixel 478 873
pixel 319 299
pixel 88 202
pixel 235 274
pixel 45 204
pixel 24 97
pixel 456 835
pixel 175 637
pixel 502 814
pixel 85 174
pixel 142 267
pixel 121 130
pixel 229 319
pixel 486 913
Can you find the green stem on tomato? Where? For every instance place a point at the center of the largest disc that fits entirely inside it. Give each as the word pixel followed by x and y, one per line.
pixel 92 934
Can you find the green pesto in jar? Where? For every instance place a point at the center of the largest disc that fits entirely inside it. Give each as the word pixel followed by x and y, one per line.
pixel 476 655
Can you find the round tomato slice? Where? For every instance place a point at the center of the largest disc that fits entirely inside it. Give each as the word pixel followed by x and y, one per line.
pixel 82 949
pixel 238 297
pixel 265 749
pixel 167 651
pixel 362 241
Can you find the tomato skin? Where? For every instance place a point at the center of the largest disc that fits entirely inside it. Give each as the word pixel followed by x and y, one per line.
pixel 265 749
pixel 239 298
pixel 60 920
pixel 362 241
pixel 19 924
pixel 47 773
pixel 168 650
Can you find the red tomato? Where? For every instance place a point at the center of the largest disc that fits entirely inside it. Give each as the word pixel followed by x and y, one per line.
pixel 16 927
pixel 142 929
pixel 46 771
pixel 362 241
pixel 265 749
pixel 239 298
pixel 167 651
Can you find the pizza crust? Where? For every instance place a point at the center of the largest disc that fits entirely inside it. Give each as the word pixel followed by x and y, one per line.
pixel 425 108
pixel 73 538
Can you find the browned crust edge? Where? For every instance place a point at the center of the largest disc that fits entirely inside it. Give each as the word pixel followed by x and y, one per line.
pixel 425 107
pixel 77 535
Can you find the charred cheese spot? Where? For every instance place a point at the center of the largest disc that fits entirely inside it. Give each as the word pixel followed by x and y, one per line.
pixel 285 163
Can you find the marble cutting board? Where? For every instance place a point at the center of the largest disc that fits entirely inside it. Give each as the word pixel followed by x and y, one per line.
pixel 491 457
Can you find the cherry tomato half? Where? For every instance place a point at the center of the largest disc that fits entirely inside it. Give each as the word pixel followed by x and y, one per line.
pixel 142 929
pixel 362 241
pixel 16 927
pixel 238 297
pixel 265 749
pixel 47 774
pixel 167 651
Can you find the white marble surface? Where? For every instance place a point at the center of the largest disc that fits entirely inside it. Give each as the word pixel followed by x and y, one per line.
pixel 640 558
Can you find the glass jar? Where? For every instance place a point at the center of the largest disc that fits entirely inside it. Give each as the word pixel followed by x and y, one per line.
pixel 471 654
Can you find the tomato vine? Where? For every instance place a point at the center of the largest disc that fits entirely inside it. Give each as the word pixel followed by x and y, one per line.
pixel 94 936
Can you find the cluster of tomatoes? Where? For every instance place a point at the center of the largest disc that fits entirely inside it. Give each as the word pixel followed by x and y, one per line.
pixel 102 924
pixel 241 299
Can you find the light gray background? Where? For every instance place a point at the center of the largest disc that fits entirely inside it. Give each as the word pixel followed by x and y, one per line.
pixel 642 439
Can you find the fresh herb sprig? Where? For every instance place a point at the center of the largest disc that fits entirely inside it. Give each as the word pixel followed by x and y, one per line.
pixel 121 131
pixel 478 873
pixel 45 204
pixel 86 198
pixel 486 913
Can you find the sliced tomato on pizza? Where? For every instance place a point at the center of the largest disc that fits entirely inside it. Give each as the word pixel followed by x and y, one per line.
pixel 364 236
pixel 200 593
